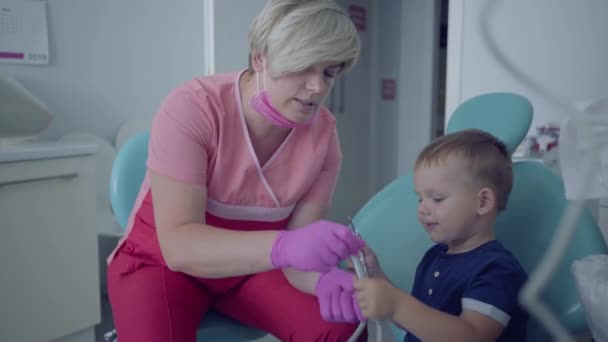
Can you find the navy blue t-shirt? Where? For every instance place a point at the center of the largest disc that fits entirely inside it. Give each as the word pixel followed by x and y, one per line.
pixel 486 279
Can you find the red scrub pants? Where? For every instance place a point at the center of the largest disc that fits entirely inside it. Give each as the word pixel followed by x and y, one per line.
pixel 151 303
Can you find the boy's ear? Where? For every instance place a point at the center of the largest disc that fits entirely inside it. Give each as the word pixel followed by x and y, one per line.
pixel 486 198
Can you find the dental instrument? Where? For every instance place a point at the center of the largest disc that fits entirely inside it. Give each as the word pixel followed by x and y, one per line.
pixel 360 265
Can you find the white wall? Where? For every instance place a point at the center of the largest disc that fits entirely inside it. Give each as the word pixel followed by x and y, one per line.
pixel 405 44
pixel 385 114
pixel 112 60
pixel 351 108
pixel 232 21
pixel 560 43
pixel 416 82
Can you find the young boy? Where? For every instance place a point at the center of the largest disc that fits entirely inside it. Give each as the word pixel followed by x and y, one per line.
pixel 466 285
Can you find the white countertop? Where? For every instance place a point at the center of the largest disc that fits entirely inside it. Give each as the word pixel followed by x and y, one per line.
pixel 43 150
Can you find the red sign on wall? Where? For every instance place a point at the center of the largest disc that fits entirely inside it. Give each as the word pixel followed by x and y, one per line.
pixel 358 15
pixel 389 89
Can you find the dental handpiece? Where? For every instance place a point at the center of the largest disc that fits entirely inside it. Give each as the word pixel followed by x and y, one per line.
pixel 360 266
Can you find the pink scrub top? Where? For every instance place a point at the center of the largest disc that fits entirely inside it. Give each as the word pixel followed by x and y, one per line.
pixel 199 136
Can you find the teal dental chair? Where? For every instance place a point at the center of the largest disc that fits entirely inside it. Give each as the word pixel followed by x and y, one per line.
pixel 389 225
pixel 128 171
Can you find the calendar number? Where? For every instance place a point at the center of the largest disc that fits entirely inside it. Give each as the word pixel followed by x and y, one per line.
pixel 37 57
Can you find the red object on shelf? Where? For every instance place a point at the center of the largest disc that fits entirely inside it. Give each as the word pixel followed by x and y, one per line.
pixel 551 145
pixel 358 15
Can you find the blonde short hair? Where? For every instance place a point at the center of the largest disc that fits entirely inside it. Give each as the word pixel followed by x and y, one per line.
pixel 488 158
pixel 296 34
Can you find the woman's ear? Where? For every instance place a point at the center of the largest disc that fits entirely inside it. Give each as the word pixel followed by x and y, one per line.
pixel 258 61
pixel 486 201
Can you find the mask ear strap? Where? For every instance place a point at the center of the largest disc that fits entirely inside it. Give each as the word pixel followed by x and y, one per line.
pixel 257 82
pixel 264 77
pixel 257 79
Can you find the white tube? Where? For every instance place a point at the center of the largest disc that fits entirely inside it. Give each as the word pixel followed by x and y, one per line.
pixel 360 271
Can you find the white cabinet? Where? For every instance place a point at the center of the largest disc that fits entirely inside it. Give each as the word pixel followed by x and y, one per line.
pixel 49 284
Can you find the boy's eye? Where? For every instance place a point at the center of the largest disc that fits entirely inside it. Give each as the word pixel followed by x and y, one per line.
pixel 438 199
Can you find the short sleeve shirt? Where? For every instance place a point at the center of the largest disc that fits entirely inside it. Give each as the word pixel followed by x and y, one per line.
pixel 486 279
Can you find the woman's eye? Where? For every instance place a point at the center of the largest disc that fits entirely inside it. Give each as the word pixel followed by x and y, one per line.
pixel 329 74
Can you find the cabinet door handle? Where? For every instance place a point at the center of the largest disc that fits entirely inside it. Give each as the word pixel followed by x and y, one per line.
pixel 64 176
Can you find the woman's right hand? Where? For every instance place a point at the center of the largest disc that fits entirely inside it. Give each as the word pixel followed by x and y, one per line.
pixel 318 246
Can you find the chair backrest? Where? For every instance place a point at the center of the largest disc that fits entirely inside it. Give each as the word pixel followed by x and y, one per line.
pixel 508 116
pixel 128 171
pixel 388 221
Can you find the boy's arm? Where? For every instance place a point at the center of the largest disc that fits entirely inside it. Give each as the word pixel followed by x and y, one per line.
pixel 429 324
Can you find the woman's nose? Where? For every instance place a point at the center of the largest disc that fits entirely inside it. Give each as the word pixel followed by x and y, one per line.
pixel 315 83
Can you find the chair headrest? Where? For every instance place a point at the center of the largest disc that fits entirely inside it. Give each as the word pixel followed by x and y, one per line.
pixel 507 116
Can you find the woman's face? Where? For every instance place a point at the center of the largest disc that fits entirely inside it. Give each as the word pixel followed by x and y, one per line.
pixel 298 95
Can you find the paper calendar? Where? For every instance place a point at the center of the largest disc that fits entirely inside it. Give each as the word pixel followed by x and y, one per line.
pixel 23 32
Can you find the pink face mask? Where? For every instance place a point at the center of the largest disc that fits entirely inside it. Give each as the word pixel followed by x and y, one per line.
pixel 260 102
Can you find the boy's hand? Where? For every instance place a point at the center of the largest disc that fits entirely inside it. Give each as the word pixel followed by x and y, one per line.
pixel 376 297
pixel 373 266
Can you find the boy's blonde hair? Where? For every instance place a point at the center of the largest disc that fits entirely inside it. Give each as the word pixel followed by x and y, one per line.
pixel 489 160
pixel 296 34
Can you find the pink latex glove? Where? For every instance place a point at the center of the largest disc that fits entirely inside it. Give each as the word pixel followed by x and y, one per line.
pixel 315 247
pixel 336 297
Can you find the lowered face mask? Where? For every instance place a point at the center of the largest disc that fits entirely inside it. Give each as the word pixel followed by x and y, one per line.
pixel 260 102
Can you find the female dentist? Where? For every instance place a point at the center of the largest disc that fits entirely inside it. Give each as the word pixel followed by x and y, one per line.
pixel 241 171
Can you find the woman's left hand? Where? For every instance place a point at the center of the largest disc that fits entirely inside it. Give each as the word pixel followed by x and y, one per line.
pixel 335 293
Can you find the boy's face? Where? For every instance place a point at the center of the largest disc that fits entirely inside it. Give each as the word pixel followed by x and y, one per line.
pixel 449 202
